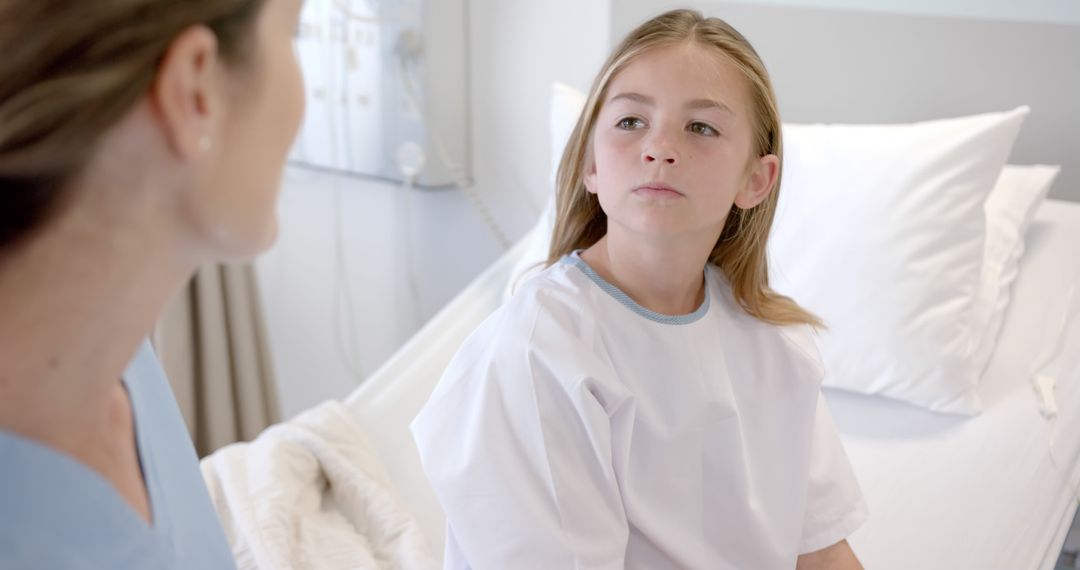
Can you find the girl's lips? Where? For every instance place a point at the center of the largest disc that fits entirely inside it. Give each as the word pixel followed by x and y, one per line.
pixel 657 190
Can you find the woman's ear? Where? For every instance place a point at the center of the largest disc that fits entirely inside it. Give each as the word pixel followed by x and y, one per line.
pixel 186 92
pixel 763 174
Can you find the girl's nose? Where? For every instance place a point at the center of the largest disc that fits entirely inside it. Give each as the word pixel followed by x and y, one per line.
pixel 660 150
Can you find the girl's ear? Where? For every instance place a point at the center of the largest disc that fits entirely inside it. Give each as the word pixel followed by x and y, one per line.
pixel 590 174
pixel 762 178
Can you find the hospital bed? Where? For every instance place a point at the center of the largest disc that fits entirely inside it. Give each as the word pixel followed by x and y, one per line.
pixel 994 491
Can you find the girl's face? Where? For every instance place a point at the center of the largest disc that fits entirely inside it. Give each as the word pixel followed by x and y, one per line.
pixel 236 202
pixel 673 145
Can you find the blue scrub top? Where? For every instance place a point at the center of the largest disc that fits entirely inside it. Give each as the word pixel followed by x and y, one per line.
pixel 57 513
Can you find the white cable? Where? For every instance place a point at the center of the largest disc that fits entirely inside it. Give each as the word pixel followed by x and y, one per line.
pixel 408 53
pixel 1044 385
pixel 410 160
pixel 414 101
pixel 474 197
pixel 344 310
pixel 410 91
pixel 1049 354
pixel 345 335
pixel 407 260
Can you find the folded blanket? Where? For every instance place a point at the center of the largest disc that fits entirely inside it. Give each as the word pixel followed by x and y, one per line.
pixel 311 493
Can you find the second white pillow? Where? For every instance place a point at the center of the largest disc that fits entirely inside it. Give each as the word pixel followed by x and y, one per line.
pixel 1018 193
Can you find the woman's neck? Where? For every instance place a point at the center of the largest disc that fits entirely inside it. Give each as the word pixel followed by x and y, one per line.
pixel 664 276
pixel 76 301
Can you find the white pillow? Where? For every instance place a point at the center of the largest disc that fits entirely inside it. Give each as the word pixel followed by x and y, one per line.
pixel 1019 192
pixel 880 231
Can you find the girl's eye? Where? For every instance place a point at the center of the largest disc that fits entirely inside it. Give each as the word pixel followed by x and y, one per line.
pixel 703 129
pixel 630 123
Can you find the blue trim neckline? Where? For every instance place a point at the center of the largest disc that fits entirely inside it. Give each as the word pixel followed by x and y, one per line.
pixel 617 294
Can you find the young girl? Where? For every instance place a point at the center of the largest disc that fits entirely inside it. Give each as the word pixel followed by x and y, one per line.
pixel 647 401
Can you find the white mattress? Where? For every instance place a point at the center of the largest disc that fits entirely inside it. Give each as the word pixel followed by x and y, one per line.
pixel 951 492
pixel 944 492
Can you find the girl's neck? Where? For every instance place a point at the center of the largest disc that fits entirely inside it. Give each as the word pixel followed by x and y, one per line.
pixel 662 276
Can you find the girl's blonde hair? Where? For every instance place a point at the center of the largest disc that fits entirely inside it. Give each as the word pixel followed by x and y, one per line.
pixel 740 251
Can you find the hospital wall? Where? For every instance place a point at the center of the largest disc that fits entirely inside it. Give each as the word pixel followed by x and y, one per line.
pixel 518 49
pixel 324 343
pixel 336 287
pixel 1051 11
pixel 891 61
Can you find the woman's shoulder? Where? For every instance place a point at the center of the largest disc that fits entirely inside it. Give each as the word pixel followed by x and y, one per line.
pixel 45 493
pixel 171 466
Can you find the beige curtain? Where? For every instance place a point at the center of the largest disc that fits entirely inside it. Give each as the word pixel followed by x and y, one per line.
pixel 213 344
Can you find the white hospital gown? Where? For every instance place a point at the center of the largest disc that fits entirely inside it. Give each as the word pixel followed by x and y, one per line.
pixel 577 429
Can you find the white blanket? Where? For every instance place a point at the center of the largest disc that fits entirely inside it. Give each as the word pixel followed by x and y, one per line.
pixel 311 493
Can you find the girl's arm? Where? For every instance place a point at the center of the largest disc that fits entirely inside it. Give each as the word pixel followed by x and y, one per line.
pixel 836 557
pixel 517 443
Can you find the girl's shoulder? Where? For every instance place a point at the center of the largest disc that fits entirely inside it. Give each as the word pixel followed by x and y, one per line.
pixel 794 343
pixel 543 335
pixel 802 341
pixel 550 313
pixel 558 292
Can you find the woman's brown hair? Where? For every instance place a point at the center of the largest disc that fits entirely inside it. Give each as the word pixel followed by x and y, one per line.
pixel 740 250
pixel 70 69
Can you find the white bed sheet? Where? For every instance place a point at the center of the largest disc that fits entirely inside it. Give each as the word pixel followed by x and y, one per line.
pixel 952 492
pixel 944 492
